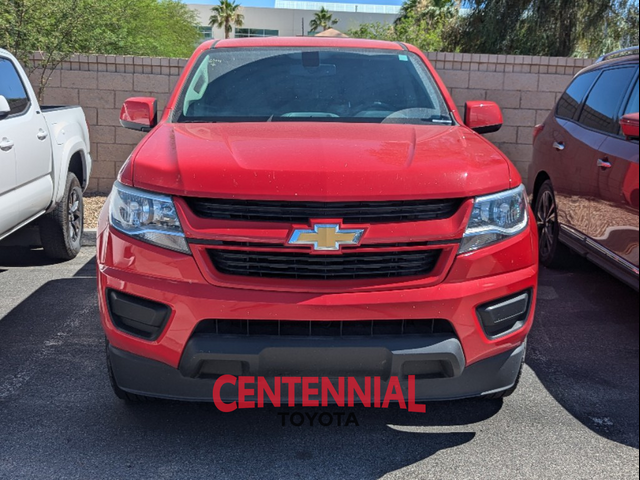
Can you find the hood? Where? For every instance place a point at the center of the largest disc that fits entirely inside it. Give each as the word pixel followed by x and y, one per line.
pixel 318 161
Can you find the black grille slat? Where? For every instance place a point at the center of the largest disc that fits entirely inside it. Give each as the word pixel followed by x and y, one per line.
pixel 329 268
pixel 339 259
pixel 263 245
pixel 325 267
pixel 315 276
pixel 303 212
pixel 332 328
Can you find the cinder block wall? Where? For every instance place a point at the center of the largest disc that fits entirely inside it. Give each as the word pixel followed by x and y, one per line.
pixel 525 87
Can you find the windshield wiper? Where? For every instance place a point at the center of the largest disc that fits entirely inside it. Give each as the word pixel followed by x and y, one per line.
pixel 199 120
pixel 439 120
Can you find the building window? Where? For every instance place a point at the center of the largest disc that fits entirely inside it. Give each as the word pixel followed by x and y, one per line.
pixel 255 32
pixel 206 32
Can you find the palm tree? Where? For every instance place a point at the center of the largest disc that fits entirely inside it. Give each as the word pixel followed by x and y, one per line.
pixel 432 11
pixel 322 19
pixel 226 15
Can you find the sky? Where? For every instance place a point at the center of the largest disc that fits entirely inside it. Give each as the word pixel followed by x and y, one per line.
pixel 270 3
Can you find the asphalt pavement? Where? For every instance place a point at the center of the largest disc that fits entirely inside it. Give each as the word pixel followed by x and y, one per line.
pixel 575 414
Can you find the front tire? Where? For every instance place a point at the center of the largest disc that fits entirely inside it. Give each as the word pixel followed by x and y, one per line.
pixel 61 230
pixel 546 212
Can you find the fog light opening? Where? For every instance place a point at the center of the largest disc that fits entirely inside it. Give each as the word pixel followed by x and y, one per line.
pixel 137 316
pixel 506 315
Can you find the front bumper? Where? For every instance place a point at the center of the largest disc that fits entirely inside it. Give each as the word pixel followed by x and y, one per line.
pixel 142 376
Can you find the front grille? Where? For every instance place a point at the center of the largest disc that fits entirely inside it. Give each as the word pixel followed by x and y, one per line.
pixel 346 266
pixel 334 328
pixel 303 212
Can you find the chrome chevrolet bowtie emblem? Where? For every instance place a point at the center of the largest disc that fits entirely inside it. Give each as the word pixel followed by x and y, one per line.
pixel 326 236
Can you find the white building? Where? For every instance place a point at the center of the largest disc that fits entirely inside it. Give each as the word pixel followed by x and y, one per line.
pixel 291 18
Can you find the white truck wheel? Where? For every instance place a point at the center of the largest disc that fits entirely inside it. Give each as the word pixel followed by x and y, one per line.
pixel 61 230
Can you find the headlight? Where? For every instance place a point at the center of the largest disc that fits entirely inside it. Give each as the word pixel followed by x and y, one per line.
pixel 496 218
pixel 149 217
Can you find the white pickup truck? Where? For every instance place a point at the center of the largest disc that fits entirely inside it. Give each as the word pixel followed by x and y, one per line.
pixel 45 164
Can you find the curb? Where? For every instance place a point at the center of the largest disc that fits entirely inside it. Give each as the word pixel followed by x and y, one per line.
pixel 89 237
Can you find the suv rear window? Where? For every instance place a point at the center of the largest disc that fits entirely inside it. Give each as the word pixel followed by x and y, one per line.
pixel 601 108
pixel 312 85
pixel 570 101
pixel 11 87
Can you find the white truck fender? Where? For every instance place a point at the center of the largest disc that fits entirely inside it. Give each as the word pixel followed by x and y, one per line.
pixel 71 137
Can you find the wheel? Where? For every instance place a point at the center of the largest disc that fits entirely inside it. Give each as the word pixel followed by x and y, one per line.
pixel 61 230
pixel 546 212
pixel 121 394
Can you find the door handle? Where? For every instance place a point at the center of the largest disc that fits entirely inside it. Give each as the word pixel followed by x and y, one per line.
pixel 6 145
pixel 604 164
pixel 42 135
pixel 559 146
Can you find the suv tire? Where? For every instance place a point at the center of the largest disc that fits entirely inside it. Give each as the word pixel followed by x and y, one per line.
pixel 546 215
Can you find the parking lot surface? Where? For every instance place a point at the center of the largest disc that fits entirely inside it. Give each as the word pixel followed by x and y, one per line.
pixel 575 414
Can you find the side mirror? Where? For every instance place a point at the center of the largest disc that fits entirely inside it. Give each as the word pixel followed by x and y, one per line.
pixel 483 117
pixel 5 109
pixel 139 113
pixel 629 124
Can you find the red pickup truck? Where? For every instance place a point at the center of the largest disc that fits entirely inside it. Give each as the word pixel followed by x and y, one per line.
pixel 315 207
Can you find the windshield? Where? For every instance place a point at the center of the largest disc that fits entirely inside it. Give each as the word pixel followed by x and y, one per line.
pixel 331 85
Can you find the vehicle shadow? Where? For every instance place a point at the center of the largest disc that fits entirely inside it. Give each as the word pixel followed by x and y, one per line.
pixel 584 347
pixel 255 444
pixel 17 257
pixel 23 249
